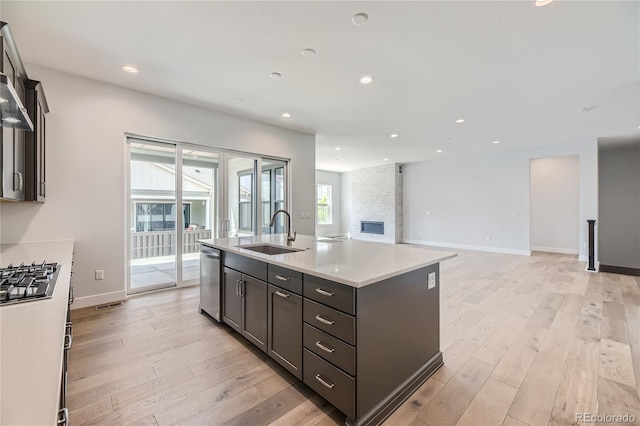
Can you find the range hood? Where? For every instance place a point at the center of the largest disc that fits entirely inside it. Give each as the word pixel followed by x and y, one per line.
pixel 12 113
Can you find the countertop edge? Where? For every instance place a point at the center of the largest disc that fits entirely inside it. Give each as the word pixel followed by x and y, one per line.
pixel 356 284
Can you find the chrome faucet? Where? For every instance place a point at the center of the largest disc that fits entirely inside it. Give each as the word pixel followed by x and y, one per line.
pixel 290 239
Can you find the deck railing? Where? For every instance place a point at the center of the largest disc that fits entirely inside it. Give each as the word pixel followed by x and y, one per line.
pixel 163 243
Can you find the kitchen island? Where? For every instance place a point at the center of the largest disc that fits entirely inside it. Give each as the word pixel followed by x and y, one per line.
pixel 358 322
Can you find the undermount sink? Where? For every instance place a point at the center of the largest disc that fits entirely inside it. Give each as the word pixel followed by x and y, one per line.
pixel 269 249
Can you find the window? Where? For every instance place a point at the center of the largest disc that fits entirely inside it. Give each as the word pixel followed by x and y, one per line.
pixel 324 204
pixel 159 216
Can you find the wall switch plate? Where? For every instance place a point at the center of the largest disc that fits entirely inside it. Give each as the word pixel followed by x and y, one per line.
pixel 431 281
pixel 99 274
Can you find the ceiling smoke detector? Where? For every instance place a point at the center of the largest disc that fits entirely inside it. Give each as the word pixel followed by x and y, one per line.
pixel 360 18
pixel 587 108
pixel 308 53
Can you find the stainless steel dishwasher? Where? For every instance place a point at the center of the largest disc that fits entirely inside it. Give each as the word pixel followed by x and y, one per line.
pixel 210 282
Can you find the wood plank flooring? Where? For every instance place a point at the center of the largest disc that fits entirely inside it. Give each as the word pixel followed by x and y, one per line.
pixel 526 341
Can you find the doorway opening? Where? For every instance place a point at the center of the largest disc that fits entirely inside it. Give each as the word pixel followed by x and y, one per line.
pixel 555 204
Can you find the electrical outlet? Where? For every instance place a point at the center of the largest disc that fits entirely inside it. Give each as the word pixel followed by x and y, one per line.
pixel 99 274
pixel 431 281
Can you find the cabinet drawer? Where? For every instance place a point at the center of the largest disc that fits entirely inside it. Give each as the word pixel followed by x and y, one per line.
pixel 328 347
pixel 285 278
pixel 330 383
pixel 252 267
pixel 336 295
pixel 331 321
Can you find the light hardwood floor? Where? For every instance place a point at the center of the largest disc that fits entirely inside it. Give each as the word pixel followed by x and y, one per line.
pixel 526 340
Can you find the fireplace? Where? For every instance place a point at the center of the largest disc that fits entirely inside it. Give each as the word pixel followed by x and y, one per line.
pixel 369 227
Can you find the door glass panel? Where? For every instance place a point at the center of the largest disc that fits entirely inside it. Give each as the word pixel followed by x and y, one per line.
pixel 152 222
pixel 241 216
pixel 273 195
pixel 200 206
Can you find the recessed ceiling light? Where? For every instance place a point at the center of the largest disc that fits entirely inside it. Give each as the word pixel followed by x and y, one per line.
pixel 286 115
pixel 367 79
pixel 438 151
pixel 11 120
pixel 542 2
pixel 3 101
pixel 308 53
pixel 386 159
pixel 460 120
pixel 496 142
pixel 130 69
pixel 275 75
pixel 393 135
pixel 338 148
pixel 360 18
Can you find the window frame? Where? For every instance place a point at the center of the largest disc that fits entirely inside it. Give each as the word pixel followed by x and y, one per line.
pixel 328 205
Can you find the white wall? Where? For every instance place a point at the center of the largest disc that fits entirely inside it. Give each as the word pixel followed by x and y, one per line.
pixel 333 179
pixel 86 168
pixel 474 197
pixel 555 194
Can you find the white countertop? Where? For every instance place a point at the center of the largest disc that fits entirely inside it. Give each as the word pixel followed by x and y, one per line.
pixel 31 340
pixel 351 262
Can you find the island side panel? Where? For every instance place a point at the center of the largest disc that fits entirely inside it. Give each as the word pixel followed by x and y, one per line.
pixel 398 334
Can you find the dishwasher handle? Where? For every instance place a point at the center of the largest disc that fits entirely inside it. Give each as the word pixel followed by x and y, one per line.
pixel 210 253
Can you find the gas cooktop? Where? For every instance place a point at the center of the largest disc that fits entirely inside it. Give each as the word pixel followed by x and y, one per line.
pixel 24 283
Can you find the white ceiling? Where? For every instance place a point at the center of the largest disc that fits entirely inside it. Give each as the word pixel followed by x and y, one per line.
pixel 515 72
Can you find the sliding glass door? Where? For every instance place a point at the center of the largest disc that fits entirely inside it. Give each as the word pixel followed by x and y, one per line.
pixel 200 201
pixel 180 193
pixel 152 216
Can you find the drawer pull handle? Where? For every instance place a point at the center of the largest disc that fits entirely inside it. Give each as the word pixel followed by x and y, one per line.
pixel 281 294
pixel 281 278
pixel 324 348
pixel 324 383
pixel 68 337
pixel 324 292
pixel 324 320
pixel 63 416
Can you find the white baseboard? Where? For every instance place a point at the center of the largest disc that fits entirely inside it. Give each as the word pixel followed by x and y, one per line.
pixel 555 250
pixel 98 299
pixel 583 258
pixel 470 247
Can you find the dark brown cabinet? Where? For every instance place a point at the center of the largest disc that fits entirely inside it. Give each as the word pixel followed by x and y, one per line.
pixel 245 306
pixel 35 143
pixel 12 152
pixel 254 311
pixel 22 135
pixel 232 308
pixel 285 329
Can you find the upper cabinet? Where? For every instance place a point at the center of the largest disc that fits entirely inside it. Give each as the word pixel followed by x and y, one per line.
pixel 22 136
pixel 35 148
